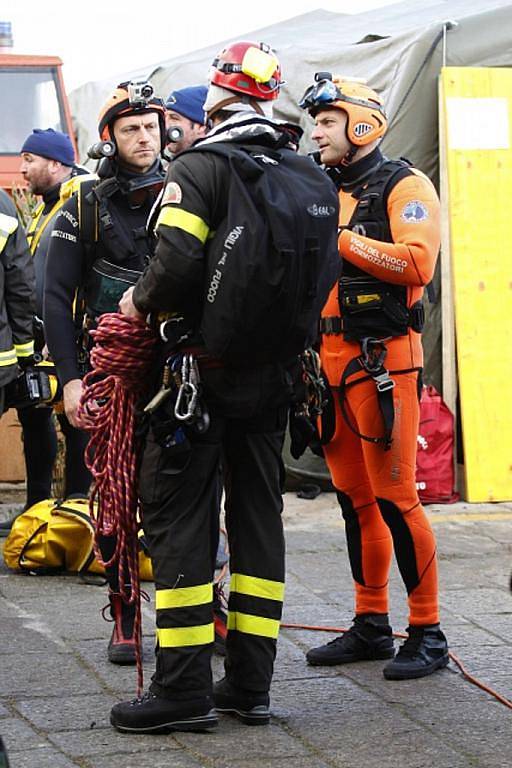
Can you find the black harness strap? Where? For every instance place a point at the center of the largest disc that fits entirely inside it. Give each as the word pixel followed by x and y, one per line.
pixel 371 360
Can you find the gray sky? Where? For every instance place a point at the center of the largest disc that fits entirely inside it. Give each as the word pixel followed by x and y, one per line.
pixel 97 38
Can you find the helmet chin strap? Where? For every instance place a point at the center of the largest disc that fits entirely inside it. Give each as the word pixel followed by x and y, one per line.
pixel 347 159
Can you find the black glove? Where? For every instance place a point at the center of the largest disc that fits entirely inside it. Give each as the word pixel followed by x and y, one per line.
pixel 302 433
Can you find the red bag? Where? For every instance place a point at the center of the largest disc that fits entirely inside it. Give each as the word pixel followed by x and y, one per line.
pixel 435 474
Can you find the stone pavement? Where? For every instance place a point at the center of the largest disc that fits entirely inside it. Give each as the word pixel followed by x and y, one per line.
pixel 56 687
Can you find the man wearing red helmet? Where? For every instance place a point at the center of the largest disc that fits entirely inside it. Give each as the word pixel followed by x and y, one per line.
pixel 248 413
pixel 372 356
pixel 102 229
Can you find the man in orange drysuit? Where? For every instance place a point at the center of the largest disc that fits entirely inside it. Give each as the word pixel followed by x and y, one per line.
pixel 372 357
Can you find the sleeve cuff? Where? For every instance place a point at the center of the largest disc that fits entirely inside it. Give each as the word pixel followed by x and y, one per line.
pixel 24 350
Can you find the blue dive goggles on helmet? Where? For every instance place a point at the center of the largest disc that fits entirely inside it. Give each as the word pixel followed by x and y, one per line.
pixel 324 91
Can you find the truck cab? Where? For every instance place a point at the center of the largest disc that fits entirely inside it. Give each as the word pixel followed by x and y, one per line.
pixel 33 96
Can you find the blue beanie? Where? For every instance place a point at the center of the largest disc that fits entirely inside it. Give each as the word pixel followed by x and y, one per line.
pixel 189 102
pixel 51 144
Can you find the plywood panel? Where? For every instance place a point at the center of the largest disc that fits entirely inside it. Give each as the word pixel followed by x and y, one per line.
pixel 477 114
pixel 12 463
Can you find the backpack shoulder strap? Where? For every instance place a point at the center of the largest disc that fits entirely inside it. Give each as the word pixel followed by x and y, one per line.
pixel 88 212
pixel 87 221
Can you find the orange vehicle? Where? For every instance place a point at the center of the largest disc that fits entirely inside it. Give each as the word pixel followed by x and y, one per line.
pixel 33 96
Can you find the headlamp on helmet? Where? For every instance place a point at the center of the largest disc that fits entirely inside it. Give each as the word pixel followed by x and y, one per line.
pixel 366 118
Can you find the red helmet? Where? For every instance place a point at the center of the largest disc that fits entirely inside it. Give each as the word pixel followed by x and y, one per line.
pixel 131 98
pixel 250 68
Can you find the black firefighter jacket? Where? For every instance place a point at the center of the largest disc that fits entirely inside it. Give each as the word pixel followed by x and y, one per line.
pixel 17 292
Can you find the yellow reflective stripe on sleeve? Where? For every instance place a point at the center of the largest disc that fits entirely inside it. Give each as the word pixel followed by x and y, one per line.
pixel 177 637
pixel 252 585
pixel 9 357
pixel 253 625
pixel 8 225
pixel 185 596
pixel 24 350
pixel 188 222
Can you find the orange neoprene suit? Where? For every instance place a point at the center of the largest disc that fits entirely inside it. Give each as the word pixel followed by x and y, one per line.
pixel 377 488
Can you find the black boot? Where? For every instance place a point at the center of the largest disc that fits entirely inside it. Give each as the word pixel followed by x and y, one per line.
pixel 424 651
pixel 121 648
pixel 251 707
pixel 370 637
pixel 4 760
pixel 154 714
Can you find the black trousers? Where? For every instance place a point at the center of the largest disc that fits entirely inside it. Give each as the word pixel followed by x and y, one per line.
pixel 180 511
pixel 40 450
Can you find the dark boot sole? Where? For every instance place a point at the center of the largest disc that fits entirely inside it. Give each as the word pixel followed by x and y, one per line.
pixel 207 722
pixel 121 655
pixel 414 674
pixel 333 662
pixel 249 718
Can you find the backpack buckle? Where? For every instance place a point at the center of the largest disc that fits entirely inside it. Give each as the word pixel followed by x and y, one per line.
pixel 265 159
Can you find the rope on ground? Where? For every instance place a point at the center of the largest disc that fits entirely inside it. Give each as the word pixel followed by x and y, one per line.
pixel 121 359
pixel 401 635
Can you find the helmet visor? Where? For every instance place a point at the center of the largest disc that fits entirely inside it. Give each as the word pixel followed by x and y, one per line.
pixel 323 92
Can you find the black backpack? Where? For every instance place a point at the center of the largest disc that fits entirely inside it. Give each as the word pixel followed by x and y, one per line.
pixel 274 258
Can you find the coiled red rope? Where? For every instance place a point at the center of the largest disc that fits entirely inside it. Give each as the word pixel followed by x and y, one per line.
pixel 121 360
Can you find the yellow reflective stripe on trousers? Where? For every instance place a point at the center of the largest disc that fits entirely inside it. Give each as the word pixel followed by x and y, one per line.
pixel 177 637
pixel 253 625
pixel 24 350
pixel 252 585
pixel 188 222
pixel 185 596
pixel 9 357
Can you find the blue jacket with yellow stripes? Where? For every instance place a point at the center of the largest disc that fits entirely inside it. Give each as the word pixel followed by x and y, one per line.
pixel 17 292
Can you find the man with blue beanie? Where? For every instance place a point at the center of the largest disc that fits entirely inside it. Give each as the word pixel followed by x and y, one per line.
pixel 51 145
pixel 185 111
